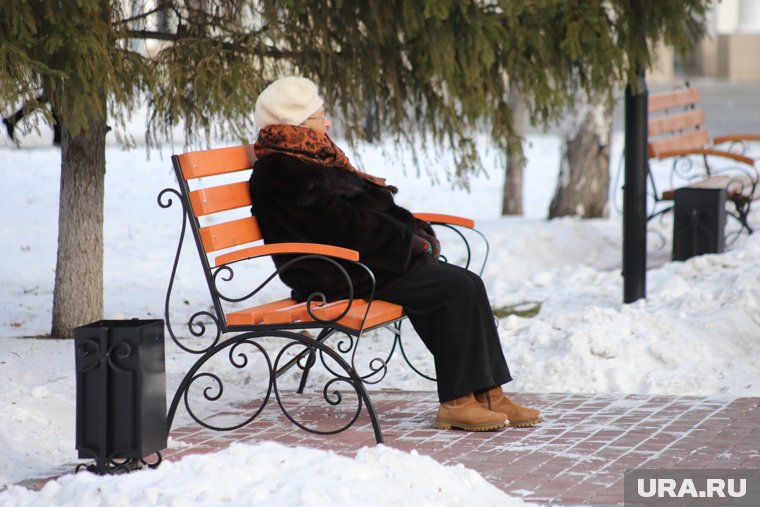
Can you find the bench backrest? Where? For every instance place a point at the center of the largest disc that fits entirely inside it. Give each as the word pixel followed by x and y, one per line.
pixel 210 202
pixel 215 193
pixel 676 122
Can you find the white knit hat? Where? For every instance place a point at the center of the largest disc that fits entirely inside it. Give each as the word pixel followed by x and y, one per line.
pixel 287 101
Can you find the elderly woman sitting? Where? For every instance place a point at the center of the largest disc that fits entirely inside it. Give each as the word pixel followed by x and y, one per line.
pixel 305 189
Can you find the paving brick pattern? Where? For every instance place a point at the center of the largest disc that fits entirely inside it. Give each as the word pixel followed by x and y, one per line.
pixel 578 456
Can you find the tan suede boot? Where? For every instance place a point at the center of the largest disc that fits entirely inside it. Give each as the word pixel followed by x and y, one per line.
pixel 466 413
pixel 519 416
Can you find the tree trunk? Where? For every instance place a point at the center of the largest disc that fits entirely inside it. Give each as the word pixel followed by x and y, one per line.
pixel 78 293
pixel 584 178
pixel 512 197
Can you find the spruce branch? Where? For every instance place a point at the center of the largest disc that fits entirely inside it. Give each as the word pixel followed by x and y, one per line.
pixel 138 17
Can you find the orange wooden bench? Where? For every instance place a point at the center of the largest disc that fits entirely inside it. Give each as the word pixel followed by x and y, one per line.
pixel 213 191
pixel 677 131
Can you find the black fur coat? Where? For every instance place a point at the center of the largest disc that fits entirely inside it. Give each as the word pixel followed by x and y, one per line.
pixel 295 201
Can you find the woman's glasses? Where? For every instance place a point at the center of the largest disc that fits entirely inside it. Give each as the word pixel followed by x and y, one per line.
pixel 319 116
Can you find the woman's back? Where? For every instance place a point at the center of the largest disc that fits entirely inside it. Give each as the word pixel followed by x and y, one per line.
pixel 294 200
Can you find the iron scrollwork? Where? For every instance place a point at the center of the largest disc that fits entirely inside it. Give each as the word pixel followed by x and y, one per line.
pixel 226 273
pixel 240 360
pixel 466 244
pixel 196 327
pixel 329 393
pixel 397 341
pixel 214 392
pixel 115 466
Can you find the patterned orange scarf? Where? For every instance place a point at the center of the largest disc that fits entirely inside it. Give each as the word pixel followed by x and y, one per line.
pixel 311 146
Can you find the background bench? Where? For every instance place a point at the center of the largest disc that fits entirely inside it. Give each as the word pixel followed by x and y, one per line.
pixel 214 194
pixel 677 132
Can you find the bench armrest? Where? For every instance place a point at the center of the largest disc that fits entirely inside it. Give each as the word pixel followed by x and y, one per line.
pixel 288 248
pixel 736 138
pixel 453 222
pixel 705 152
pixel 438 218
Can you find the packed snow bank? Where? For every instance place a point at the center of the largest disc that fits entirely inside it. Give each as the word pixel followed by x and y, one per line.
pixel 274 475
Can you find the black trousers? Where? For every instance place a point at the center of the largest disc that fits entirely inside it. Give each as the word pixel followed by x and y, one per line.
pixel 448 307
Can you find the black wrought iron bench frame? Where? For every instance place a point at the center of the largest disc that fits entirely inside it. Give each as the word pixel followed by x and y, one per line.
pixel 229 332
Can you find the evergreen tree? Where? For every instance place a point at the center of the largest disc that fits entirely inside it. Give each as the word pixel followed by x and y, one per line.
pixel 423 67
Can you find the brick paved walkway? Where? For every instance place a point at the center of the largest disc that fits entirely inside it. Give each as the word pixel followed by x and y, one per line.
pixel 577 456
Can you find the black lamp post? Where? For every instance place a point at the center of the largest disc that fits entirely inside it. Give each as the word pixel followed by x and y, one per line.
pixel 635 186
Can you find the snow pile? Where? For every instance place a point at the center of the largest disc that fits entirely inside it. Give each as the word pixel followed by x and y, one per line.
pixel 265 474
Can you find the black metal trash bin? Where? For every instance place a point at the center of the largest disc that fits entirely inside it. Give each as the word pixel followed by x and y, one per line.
pixel 121 391
pixel 699 223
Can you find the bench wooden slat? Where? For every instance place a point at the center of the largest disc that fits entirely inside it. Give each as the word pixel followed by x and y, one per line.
pixel 333 309
pixel 255 315
pixel 676 122
pixel 736 185
pixel 228 234
pixel 446 219
pixel 222 198
pixel 299 312
pixel 669 100
pixel 690 140
pixel 287 311
pixel 216 161
pixel 381 312
pixel 287 315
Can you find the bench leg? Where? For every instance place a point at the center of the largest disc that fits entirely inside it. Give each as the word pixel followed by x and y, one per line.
pixel 307 368
pixel 742 212
pixel 659 212
pixel 240 359
pixel 397 341
pixel 311 351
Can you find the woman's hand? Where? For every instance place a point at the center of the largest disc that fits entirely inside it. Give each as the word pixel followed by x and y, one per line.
pixel 423 242
pixel 436 247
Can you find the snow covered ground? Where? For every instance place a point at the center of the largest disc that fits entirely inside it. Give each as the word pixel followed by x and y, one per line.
pixel 696 333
